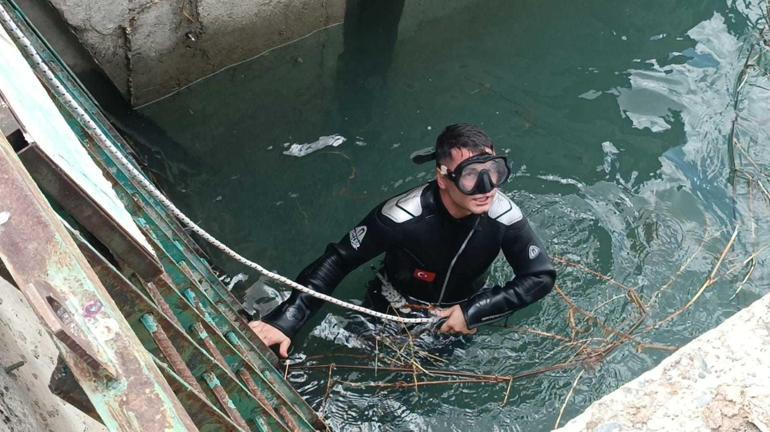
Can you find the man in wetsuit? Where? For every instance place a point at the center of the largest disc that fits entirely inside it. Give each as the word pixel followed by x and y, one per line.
pixel 439 240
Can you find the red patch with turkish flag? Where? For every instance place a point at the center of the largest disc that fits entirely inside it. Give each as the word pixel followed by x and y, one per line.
pixel 424 275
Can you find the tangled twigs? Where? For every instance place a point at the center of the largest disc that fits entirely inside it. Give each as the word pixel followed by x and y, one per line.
pixel 584 352
pixel 591 316
pixel 566 399
pixel 459 376
pixel 659 347
pixel 507 392
pixel 329 383
pixel 414 384
pixel 709 282
pixel 756 167
pixel 565 261
pixel 631 293
pixel 685 264
pixel 540 333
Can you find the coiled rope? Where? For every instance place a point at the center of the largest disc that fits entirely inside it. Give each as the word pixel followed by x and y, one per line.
pixel 135 174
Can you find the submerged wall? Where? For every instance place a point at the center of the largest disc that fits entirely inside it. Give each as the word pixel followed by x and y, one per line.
pixel 150 48
pixel 717 382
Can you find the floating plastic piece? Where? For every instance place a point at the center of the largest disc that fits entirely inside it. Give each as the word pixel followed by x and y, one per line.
pixel 300 150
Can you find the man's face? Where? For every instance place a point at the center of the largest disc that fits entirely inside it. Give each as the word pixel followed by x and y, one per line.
pixel 468 204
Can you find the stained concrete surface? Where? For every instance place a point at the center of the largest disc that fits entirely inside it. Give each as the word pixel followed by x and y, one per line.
pixel 718 382
pixel 152 48
pixel 26 404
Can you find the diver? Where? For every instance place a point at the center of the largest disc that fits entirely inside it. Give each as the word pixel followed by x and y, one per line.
pixel 439 240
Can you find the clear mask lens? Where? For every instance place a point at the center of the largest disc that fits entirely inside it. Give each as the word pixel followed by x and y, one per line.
pixel 468 177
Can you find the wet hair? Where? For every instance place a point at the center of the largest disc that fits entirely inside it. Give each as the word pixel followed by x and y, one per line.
pixel 461 136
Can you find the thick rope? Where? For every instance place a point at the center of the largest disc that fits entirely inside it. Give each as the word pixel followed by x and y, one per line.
pixel 135 174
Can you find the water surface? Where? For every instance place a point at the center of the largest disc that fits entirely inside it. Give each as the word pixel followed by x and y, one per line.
pixel 618 118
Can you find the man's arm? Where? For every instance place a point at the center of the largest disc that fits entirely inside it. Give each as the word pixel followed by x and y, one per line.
pixel 535 277
pixel 367 240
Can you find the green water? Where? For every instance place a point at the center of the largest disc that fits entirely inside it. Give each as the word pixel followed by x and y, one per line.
pixel 617 117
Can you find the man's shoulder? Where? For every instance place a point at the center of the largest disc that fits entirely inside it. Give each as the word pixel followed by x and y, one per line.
pixel 406 206
pixel 504 210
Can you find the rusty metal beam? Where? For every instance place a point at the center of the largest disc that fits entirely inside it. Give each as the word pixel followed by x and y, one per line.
pixel 71 197
pixel 65 293
pixel 206 416
pixel 169 352
pixel 135 305
pixel 224 399
pixel 198 329
pixel 161 302
pixel 181 277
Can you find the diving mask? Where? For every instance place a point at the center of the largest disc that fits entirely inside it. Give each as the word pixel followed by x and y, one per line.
pixel 478 174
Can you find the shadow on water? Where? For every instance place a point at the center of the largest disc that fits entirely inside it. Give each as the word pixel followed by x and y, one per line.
pixel 370 32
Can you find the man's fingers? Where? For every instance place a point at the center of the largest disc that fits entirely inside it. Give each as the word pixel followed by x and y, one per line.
pixel 446 328
pixel 452 329
pixel 283 350
pixel 267 334
pixel 443 313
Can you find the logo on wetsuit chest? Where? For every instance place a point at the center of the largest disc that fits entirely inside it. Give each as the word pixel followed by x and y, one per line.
pixel 424 275
pixel 357 236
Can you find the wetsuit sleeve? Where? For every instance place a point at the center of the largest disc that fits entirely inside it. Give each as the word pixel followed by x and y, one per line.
pixel 534 278
pixel 368 239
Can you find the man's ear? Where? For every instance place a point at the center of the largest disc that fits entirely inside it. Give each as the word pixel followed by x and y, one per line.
pixel 441 179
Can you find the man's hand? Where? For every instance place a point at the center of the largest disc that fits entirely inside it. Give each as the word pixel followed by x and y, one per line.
pixel 455 321
pixel 272 336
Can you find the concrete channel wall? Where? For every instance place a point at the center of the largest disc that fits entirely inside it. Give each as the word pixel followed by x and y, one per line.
pixel 718 382
pixel 151 48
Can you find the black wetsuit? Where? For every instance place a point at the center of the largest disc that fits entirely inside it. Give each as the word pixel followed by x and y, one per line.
pixel 420 240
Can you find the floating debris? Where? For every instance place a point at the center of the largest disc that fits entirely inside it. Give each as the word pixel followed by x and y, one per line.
pixel 300 150
pixel 590 95
pixel 240 277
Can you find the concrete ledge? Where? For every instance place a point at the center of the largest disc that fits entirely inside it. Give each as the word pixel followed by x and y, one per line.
pixel 718 382
pixel 26 403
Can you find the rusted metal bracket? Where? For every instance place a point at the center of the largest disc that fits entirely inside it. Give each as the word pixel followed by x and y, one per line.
pixel 61 324
pixel 68 194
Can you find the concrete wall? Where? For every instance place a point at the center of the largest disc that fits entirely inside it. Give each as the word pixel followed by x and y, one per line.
pixel 150 48
pixel 26 404
pixel 718 382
